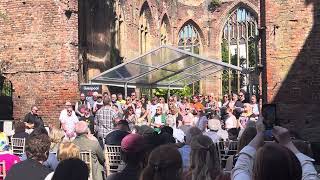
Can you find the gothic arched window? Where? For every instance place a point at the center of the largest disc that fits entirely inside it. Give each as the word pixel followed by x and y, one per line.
pixel 189 39
pixel 239 48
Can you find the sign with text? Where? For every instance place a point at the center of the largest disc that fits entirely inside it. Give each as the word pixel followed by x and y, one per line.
pixel 88 89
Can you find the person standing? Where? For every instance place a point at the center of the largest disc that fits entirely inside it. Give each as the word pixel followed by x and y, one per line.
pixel 32 119
pixel 68 124
pixel 64 112
pixel 82 105
pixel 104 120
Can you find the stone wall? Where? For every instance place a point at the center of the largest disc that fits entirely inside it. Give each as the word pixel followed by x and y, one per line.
pixel 179 12
pixel 40 41
pixel 292 63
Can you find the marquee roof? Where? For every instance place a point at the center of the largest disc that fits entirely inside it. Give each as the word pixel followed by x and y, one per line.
pixel 163 67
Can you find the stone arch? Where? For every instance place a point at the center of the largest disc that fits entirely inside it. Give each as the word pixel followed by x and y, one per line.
pixel 197 27
pixel 165 29
pixel 239 44
pixel 145 8
pixel 236 4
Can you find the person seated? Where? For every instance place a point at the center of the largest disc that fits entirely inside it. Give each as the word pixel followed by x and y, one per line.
pixel 65 151
pixel 51 162
pixel 164 163
pixel 71 169
pixel 87 144
pixel 248 134
pixel 5 153
pixel 115 137
pixel 37 149
pixel 20 130
pixel 277 161
pixel 56 137
pixel 32 119
pixel 158 120
pixel 213 125
pixel 204 159
pixel 202 120
pixel 186 149
pixel 133 154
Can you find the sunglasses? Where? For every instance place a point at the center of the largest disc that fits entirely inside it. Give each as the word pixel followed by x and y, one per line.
pixel 69 111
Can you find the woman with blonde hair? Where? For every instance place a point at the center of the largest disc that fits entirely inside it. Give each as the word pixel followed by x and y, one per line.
pixel 56 137
pixel 204 159
pixel 66 150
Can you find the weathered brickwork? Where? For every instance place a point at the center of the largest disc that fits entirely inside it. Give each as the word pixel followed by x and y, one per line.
pixel 292 64
pixel 40 41
pixel 179 12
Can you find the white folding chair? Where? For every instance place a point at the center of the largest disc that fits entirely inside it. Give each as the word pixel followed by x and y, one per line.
pixel 113 157
pixel 86 156
pixel 2 170
pixel 18 146
pixel 226 149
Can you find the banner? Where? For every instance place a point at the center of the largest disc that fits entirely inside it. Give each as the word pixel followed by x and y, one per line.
pixel 88 89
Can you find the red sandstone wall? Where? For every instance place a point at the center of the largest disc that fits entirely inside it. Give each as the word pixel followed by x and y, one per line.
pixel 178 14
pixel 41 44
pixel 293 63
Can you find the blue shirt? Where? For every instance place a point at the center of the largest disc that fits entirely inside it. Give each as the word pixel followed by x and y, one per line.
pixel 185 154
pixel 51 163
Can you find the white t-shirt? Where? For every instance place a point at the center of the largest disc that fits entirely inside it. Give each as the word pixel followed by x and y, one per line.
pixel 157 120
pixel 64 114
pixel 231 122
pixel 70 123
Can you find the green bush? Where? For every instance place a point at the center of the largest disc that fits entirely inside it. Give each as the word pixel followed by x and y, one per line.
pixel 213 5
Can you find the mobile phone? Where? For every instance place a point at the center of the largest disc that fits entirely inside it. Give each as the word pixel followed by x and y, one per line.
pixel 269 116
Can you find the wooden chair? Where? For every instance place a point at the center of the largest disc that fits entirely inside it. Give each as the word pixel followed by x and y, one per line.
pixel 113 157
pixel 2 170
pixel 18 146
pixel 86 156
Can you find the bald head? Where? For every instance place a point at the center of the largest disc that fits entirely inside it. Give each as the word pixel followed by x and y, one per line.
pixel 81 128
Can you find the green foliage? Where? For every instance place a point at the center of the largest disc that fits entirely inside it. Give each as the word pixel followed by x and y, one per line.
pixel 252 54
pixel 225 51
pixel 186 91
pixel 213 5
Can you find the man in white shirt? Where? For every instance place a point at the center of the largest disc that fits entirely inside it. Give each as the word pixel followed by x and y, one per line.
pixel 64 112
pixel 68 124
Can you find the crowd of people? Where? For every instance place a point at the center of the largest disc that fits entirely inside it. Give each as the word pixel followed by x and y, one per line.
pixel 174 139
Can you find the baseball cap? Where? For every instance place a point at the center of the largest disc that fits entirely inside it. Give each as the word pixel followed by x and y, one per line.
pixel 214 124
pixel 132 143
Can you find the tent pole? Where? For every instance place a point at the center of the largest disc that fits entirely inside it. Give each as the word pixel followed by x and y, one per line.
pixel 126 90
pixel 150 92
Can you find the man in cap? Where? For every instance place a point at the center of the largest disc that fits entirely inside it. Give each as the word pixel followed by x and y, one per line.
pixel 64 112
pixel 133 152
pixel 87 144
pixel 213 125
